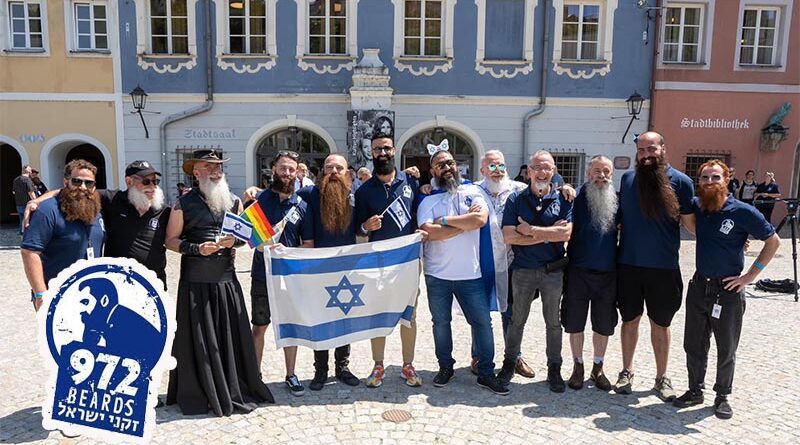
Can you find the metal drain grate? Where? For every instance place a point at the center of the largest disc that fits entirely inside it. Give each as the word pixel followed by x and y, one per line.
pixel 396 415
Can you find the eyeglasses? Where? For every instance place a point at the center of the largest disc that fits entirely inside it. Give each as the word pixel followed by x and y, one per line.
pixel 542 168
pixel 148 181
pixel 76 182
pixel 712 178
pixel 384 149
pixel 497 167
pixel 445 164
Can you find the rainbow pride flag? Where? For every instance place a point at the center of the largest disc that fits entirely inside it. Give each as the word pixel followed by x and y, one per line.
pixel 262 229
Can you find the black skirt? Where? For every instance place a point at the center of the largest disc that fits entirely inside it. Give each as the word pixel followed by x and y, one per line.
pixel 216 360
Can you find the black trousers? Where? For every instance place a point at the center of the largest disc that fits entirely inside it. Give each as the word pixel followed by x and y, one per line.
pixel 701 296
pixel 341 356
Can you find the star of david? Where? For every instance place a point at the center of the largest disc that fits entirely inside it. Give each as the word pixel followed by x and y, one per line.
pixel 344 284
pixel 237 226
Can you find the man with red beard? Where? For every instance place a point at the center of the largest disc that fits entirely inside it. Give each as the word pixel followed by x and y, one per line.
pixel 329 222
pixel 715 301
pixel 66 228
pixel 652 201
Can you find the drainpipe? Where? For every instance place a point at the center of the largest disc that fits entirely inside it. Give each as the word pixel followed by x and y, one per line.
pixel 526 121
pixel 653 65
pixel 206 106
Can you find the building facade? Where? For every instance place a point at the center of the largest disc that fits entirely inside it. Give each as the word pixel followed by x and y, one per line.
pixel 59 90
pixel 727 85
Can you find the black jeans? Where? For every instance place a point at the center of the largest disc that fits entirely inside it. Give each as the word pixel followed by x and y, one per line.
pixel 341 356
pixel 701 296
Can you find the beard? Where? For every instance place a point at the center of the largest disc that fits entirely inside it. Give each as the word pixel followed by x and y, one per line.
pixel 79 204
pixel 449 184
pixel 712 197
pixel 495 187
pixel 142 202
pixel 656 196
pixel 602 201
pixel 335 210
pixel 217 194
pixel 280 185
pixel 384 164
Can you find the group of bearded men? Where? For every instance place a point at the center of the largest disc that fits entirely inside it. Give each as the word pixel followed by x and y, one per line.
pixel 621 257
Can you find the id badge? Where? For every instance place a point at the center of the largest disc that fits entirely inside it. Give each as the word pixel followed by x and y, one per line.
pixel 716 311
pixel 89 253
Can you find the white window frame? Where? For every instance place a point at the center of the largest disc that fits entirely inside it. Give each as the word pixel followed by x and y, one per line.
pixel 248 35
pixel 170 17
pixel 164 63
pixel 422 25
pixel 706 35
pixel 757 30
pixel 782 31
pixel 424 65
pixel 505 68
pixel 6 34
pixel 244 63
pixel 579 42
pixel 326 63
pixel 327 35
pixel 71 28
pixel 586 69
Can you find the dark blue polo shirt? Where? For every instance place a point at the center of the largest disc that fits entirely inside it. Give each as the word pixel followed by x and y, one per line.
pixel 588 247
pixel 275 210
pixel 721 237
pixel 312 228
pixel 646 242
pixel 524 203
pixel 373 197
pixel 61 242
pixel 772 187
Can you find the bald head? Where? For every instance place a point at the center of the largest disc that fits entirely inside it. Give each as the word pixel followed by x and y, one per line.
pixel 335 163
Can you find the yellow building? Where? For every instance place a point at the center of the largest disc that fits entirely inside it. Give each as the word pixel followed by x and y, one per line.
pixel 59 91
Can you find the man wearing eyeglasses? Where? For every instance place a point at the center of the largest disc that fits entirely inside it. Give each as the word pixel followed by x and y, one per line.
pixel 65 229
pixel 715 300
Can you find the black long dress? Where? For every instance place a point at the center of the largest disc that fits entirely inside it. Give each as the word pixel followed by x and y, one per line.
pixel 216 360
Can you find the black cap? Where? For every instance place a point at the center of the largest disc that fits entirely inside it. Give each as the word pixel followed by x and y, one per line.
pixel 203 155
pixel 140 168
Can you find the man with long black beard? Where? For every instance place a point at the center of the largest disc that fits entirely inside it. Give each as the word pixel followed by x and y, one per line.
pixel 715 301
pixel 591 275
pixel 373 198
pixel 652 201
pixel 216 358
pixel 329 222
pixel 66 228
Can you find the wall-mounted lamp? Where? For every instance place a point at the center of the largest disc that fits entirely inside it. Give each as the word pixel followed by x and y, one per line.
pixel 634 102
pixel 139 98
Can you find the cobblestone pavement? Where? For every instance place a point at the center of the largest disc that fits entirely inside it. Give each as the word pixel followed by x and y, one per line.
pixel 765 398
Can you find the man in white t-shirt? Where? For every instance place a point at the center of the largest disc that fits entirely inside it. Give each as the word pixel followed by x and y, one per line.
pixel 302 179
pixel 453 216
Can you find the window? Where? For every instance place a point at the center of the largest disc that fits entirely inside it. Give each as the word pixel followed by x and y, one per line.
pixel 247 26
pixel 25 19
pixel 91 31
pixel 169 30
pixel 311 147
pixel 758 43
pixel 570 167
pixel 423 28
pixel 580 32
pixel 682 31
pixel 327 27
pixel 694 161
pixel 504 47
pixel 415 152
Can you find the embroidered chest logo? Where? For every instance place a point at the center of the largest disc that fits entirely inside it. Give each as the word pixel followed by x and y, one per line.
pixel 726 226
pixel 293 216
pixel 407 191
pixel 555 207
pixel 153 223
pixel 468 201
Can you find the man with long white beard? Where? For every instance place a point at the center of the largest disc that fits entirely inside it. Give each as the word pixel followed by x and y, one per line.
pixel 329 222
pixel 652 200
pixel 216 358
pixel 591 275
pixel 715 300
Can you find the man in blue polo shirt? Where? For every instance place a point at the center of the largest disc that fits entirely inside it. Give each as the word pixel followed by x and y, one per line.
pixel 715 301
pixel 329 222
pixel 65 229
pixel 385 204
pixel 278 202
pixel 652 200
pixel 536 223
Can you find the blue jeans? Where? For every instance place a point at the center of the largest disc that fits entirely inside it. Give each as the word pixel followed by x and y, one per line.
pixel 471 296
pixel 21 212
pixel 505 317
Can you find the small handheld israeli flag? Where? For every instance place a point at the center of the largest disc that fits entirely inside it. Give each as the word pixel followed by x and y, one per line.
pixel 399 213
pixel 236 226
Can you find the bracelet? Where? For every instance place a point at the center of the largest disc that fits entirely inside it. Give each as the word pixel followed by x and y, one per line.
pixel 187 248
pixel 444 221
pixel 38 294
pixel 759 265
pixel 363 230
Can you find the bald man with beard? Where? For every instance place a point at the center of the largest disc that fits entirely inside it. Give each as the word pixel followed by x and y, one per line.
pixel 653 200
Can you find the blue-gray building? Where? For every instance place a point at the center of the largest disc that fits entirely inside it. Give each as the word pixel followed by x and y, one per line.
pixel 314 75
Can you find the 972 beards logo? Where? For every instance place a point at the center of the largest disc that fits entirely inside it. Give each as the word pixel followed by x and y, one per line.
pixel 106 333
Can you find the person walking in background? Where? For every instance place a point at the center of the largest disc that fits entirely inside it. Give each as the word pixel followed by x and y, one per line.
pixel 748 188
pixel 765 195
pixel 41 189
pixel 24 190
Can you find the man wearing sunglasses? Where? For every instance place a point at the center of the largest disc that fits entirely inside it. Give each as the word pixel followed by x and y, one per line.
pixel 67 228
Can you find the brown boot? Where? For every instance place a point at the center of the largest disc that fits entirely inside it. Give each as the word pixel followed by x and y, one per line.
pixel 523 369
pixel 599 378
pixel 576 380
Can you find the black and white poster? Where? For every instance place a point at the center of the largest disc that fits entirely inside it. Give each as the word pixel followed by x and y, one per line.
pixel 362 125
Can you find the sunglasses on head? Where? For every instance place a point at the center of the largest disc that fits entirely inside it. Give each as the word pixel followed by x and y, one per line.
pixel 148 181
pixel 76 182
pixel 497 167
pixel 445 164
pixel 288 153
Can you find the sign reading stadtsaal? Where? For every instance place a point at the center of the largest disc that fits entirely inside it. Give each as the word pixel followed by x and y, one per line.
pixel 105 330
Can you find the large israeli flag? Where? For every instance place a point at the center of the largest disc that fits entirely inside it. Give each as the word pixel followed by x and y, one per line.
pixel 323 298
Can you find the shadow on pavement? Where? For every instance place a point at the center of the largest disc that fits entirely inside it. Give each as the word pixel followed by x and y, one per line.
pixel 23 426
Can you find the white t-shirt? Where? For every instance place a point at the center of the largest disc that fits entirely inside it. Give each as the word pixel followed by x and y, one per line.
pixel 300 184
pixel 456 258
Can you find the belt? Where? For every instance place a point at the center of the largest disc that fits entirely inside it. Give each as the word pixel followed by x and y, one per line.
pixel 708 281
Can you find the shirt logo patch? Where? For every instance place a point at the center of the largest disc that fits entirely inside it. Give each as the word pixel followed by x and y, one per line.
pixel 555 207
pixel 468 201
pixel 153 223
pixel 407 192
pixel 726 226
pixel 293 216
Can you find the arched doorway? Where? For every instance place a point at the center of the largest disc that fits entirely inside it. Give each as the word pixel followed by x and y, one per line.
pixel 92 154
pixel 415 152
pixel 10 168
pixel 311 147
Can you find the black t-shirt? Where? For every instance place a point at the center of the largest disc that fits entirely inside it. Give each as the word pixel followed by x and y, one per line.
pixel 21 186
pixel 131 235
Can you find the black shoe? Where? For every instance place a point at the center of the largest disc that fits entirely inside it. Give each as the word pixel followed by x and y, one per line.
pixel 493 384
pixel 345 376
pixel 320 377
pixel 554 378
pixel 443 377
pixel 295 387
pixel 689 398
pixel 722 409
pixel 507 371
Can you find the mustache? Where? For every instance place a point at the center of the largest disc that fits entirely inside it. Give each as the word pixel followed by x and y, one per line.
pixel 80 204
